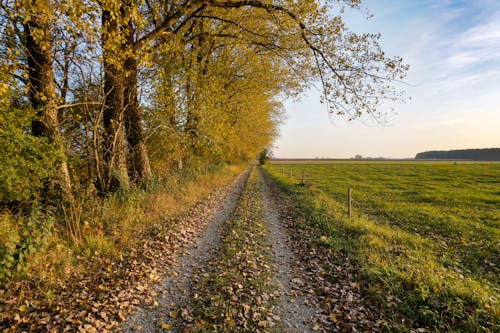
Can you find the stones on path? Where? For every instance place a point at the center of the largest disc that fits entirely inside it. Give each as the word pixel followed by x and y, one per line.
pixel 259 271
pixel 330 279
pixel 297 304
pixel 174 292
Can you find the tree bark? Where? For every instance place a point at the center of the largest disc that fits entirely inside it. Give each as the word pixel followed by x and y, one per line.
pixel 43 97
pixel 115 172
pixel 139 167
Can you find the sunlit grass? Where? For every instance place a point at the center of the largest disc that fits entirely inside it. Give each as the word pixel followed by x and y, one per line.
pixel 425 235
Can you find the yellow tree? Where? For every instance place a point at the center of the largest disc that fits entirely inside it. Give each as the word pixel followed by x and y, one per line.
pixel 32 24
pixel 309 38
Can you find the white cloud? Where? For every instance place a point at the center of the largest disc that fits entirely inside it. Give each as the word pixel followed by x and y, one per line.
pixel 477 45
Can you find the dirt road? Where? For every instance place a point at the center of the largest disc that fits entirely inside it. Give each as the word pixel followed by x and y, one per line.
pixel 250 269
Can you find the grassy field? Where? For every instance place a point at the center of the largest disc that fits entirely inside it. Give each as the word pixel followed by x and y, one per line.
pixel 425 235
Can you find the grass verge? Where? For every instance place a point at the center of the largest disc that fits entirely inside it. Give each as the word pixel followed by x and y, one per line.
pixel 402 276
pixel 80 277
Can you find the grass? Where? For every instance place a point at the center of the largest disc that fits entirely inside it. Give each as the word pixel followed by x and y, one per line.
pixel 425 236
pixel 97 227
pixel 105 251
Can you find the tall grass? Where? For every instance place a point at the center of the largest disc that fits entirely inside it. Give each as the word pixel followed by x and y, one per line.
pixel 95 226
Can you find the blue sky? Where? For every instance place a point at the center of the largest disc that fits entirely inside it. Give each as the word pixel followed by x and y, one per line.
pixel 453 48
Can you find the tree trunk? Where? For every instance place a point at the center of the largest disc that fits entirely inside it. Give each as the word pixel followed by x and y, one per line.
pixel 43 97
pixel 139 167
pixel 114 150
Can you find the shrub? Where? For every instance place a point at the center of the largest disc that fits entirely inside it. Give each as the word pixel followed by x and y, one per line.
pixel 20 238
pixel 27 161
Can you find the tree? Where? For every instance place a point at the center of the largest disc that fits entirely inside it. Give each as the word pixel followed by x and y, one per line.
pixel 264 156
pixel 32 24
pixel 354 71
pixel 191 81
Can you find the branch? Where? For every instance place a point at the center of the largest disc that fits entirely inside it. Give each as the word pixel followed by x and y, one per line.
pixel 67 106
pixel 189 9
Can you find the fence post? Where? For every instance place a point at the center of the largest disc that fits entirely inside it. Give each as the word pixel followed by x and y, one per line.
pixel 283 171
pixel 349 202
pixel 302 178
pixel 291 173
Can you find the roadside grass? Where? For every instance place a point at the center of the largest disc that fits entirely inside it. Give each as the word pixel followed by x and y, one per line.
pixel 236 296
pixel 41 252
pixel 424 236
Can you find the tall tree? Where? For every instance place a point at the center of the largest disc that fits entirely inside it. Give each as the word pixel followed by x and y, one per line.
pixel 139 167
pixel 38 23
pixel 114 150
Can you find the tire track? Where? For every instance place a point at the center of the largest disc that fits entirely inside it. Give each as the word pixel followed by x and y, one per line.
pixel 174 293
pixel 297 309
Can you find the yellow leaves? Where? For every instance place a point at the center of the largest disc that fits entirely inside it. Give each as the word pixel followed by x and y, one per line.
pixel 230 322
pixel 324 239
pixel 165 326
pixel 333 316
pixel 316 327
pixel 154 277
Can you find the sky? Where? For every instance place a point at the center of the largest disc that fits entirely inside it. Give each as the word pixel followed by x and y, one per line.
pixel 453 49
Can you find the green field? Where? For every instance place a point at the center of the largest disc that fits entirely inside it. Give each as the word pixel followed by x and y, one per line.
pixel 426 234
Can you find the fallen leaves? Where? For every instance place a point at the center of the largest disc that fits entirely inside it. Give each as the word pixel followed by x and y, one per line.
pixel 236 294
pixel 165 326
pixel 332 277
pixel 102 296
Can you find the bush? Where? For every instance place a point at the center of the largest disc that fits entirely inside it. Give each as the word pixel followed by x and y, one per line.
pixel 20 238
pixel 27 162
pixel 264 156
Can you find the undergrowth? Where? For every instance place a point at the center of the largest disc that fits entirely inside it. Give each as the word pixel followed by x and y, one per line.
pixel 46 245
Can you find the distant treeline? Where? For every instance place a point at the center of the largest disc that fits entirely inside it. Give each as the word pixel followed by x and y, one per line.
pixel 488 154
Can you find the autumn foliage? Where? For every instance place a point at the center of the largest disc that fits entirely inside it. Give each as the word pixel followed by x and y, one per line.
pixel 102 98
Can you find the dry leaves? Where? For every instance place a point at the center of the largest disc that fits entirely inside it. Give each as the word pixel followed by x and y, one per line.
pixel 329 282
pixel 102 297
pixel 237 293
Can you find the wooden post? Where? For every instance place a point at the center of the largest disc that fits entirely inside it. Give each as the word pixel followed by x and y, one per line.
pixel 349 202
pixel 302 180
pixel 291 173
pixel 283 171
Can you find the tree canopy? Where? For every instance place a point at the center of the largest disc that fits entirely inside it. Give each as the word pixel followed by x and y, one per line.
pixel 118 92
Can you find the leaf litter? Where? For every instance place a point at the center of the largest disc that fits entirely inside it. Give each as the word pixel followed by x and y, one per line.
pixel 258 270
pixel 110 290
pixel 331 284
pixel 190 263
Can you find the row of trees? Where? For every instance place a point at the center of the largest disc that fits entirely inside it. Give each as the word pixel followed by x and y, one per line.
pixel 485 154
pixel 112 92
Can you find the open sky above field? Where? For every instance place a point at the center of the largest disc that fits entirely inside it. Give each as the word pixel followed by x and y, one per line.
pixel 453 48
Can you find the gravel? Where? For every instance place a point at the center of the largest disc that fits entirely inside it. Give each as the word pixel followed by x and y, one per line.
pixel 174 293
pixel 297 309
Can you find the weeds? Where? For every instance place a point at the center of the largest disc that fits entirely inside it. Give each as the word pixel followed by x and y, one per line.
pixel 95 226
pixel 21 237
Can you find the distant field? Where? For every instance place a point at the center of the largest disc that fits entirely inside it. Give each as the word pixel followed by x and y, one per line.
pixel 427 232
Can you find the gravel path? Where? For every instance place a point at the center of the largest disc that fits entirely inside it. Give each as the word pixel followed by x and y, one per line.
pixel 332 283
pixel 174 293
pixel 298 305
pixel 297 309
